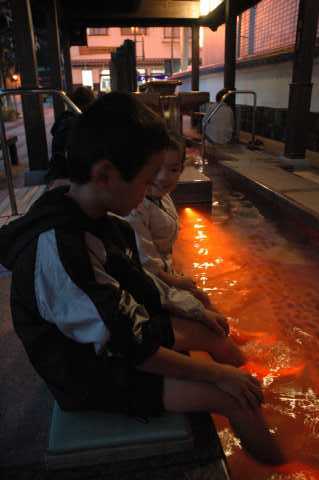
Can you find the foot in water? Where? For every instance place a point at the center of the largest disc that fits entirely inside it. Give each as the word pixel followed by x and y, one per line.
pixel 241 337
pixel 297 470
pixel 261 372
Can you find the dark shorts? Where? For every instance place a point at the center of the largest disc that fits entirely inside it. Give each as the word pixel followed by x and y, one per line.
pixel 138 393
pixel 132 392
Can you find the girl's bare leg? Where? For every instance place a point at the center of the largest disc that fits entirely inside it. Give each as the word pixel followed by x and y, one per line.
pixel 191 335
pixel 247 423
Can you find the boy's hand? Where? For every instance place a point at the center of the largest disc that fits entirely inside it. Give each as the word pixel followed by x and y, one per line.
pixel 216 322
pixel 241 386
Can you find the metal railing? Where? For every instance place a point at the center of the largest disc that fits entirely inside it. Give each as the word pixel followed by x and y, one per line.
pixel 219 105
pixel 3 138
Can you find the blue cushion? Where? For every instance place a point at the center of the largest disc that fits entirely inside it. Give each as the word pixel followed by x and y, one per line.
pixel 77 432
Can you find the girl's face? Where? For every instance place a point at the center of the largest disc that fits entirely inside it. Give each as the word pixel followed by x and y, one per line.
pixel 167 177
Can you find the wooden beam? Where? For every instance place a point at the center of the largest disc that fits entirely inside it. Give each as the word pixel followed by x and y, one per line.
pixel 147 12
pixel 32 105
pixel 301 86
pixel 230 48
pixel 195 57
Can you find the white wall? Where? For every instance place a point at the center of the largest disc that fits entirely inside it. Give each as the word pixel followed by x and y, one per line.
pixel 270 82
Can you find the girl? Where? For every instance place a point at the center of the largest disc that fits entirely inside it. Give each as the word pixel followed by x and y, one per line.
pixel 155 222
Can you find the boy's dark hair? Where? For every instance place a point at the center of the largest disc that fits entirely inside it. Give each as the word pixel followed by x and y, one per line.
pixel 119 128
pixel 82 97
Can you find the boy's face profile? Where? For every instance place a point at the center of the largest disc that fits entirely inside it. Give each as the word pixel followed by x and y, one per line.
pixel 167 176
pixel 121 196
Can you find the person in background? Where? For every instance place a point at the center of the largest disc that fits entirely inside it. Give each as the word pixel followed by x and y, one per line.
pixel 220 128
pixel 60 131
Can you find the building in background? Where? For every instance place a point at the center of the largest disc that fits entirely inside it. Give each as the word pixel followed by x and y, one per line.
pixel 160 51
pixel 266 37
pixel 265 43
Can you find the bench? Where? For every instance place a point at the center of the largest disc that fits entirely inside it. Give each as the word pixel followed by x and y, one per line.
pixel 83 438
pixel 78 440
pixel 11 142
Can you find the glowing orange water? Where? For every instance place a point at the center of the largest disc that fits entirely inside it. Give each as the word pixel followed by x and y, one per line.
pixel 268 287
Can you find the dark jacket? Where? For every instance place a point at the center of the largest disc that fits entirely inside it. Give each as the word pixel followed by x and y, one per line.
pixel 72 274
pixel 60 131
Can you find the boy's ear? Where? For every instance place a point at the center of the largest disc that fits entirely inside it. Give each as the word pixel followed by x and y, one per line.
pixel 103 172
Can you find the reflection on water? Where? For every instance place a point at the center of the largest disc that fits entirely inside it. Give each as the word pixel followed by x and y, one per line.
pixel 267 286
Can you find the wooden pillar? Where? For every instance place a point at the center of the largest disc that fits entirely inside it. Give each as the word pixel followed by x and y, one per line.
pixel 54 53
pixel 238 41
pixel 195 57
pixel 31 104
pixel 230 48
pixel 184 48
pixel 68 86
pixel 301 86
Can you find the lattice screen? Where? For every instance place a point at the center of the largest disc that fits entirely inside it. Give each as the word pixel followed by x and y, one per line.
pixel 268 27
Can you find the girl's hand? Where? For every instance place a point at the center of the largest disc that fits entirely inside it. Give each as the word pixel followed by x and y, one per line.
pixel 185 283
pixel 216 322
pixel 241 386
pixel 202 297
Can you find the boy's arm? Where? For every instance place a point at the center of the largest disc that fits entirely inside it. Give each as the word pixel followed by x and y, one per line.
pixel 243 387
pixel 75 293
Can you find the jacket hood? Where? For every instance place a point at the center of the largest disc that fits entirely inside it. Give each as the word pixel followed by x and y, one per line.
pixel 52 209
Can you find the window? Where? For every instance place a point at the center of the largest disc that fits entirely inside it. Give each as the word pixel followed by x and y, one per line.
pixel 141 75
pixel 98 31
pixel 87 78
pixel 105 81
pixel 171 32
pixel 128 31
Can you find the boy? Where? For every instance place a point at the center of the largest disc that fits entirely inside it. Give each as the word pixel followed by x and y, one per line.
pixel 90 319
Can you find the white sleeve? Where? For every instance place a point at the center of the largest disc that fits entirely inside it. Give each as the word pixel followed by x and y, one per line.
pixel 148 252
pixel 84 315
pixel 177 301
